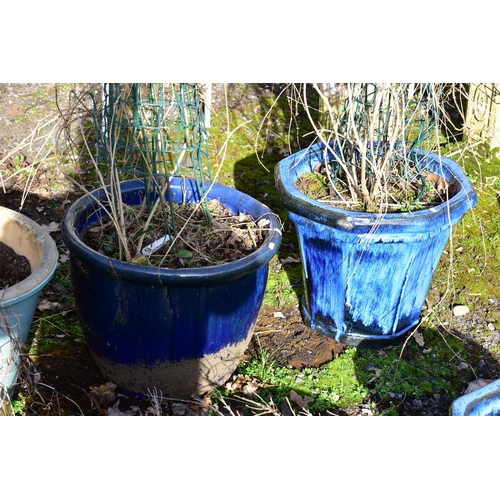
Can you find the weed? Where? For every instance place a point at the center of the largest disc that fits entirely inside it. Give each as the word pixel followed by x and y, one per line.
pixel 264 365
pixel 17 407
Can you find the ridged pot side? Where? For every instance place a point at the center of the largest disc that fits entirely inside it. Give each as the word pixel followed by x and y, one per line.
pixel 181 331
pixel 367 275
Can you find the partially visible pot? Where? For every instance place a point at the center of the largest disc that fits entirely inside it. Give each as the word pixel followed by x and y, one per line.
pixel 481 402
pixel 18 302
pixel 179 331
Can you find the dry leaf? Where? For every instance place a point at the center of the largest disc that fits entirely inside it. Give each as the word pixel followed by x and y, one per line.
pixel 179 409
pixel 114 411
pixel 419 338
pixel 478 384
pixel 302 401
pixel 105 392
pixel 237 384
pixel 33 375
pixel 279 315
pixel 52 227
pixel 47 305
pixel 290 260
pixel 233 239
pixel 243 383
pixel 250 388
pixel 101 397
pixel 244 217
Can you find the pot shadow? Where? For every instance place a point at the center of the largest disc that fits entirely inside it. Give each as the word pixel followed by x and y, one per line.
pixel 254 175
pixel 421 377
pixel 425 374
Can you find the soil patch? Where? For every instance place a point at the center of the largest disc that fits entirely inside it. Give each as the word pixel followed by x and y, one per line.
pixel 414 191
pixel 13 267
pixel 287 340
pixel 206 236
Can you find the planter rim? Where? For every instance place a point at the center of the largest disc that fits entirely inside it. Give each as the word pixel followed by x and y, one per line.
pixel 154 276
pixel 297 202
pixel 40 276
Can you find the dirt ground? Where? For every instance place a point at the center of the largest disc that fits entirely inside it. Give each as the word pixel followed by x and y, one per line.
pixel 69 382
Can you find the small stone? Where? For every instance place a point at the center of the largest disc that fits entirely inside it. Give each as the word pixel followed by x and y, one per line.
pixel 396 395
pixel 417 404
pixel 491 327
pixel 463 365
pixel 460 310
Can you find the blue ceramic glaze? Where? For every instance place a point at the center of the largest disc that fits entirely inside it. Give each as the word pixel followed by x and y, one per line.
pixel 367 275
pixel 143 316
pixel 483 402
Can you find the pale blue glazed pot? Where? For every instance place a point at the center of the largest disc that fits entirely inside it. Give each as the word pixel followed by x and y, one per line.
pixel 367 275
pixel 482 402
pixel 18 302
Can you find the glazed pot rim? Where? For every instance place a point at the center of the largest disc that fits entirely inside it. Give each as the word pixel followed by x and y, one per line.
pixel 155 276
pixel 44 271
pixel 294 200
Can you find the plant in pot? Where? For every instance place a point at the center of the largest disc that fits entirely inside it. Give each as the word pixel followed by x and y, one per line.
pixel 28 259
pixel 169 268
pixel 373 208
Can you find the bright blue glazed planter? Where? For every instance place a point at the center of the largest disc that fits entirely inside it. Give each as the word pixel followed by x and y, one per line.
pixel 181 331
pixel 483 402
pixel 367 275
pixel 18 302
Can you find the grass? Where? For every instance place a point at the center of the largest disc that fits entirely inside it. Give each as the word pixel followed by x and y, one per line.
pixel 380 380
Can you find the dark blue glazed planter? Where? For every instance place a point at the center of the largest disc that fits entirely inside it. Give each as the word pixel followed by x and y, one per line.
pixel 367 275
pixel 483 402
pixel 181 331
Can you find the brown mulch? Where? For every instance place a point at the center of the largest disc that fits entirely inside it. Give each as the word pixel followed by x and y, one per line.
pixel 229 236
pixel 287 340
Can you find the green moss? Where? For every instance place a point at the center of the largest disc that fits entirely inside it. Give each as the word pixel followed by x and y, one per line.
pixel 470 267
pixel 313 185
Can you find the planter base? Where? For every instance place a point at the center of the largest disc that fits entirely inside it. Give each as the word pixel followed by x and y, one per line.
pixel 176 379
pixel 353 338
